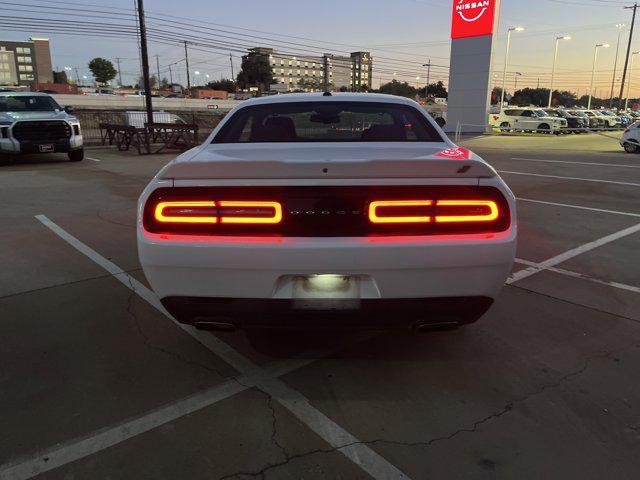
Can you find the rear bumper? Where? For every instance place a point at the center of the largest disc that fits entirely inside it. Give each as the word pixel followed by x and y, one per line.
pixel 402 268
pixel 333 315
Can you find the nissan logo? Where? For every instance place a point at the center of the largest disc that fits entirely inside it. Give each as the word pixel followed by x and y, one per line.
pixel 467 5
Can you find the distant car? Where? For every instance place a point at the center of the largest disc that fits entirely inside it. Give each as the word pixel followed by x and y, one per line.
pixel 35 123
pixel 50 92
pixel 630 139
pixel 615 121
pixel 609 120
pixel 326 210
pixel 594 121
pixel 575 123
pixel 527 119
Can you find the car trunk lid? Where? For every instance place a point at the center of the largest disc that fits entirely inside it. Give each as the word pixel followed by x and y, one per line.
pixel 330 160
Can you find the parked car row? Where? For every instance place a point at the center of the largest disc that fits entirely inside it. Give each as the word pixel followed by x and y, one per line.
pixel 560 120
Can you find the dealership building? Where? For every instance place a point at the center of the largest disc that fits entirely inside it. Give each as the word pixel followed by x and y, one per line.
pixel 25 63
pixel 307 73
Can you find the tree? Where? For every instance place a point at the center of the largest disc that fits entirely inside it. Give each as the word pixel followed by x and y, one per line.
pixel 60 77
pixel 153 82
pixel 224 84
pixel 402 89
pixel 312 84
pixel 255 72
pixel 436 90
pixel 102 70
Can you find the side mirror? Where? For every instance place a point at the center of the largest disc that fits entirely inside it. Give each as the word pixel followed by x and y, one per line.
pixel 69 109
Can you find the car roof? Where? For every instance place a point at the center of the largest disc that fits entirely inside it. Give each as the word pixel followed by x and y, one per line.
pixel 23 94
pixel 334 97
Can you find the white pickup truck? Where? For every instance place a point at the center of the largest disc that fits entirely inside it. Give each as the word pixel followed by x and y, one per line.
pixel 35 123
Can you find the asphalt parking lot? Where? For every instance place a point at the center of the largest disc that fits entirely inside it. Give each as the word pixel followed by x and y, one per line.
pixel 96 381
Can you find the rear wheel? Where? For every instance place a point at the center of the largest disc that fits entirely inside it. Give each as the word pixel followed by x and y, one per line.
pixel 505 126
pixel 76 155
pixel 630 148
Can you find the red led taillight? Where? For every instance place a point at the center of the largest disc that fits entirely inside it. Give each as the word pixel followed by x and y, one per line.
pixel 400 211
pixel 186 212
pixel 428 211
pixel 464 211
pixel 209 216
pixel 327 211
pixel 250 212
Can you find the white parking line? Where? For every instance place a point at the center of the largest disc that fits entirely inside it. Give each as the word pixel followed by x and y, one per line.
pixel 574 252
pixel 617 165
pixel 79 448
pixel 628 184
pixel 582 276
pixel 93 159
pixel 579 207
pixel 265 379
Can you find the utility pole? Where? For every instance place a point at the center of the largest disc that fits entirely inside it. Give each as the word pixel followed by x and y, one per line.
pixel 426 92
pixel 77 75
pixel 170 75
pixel 119 72
pixel 158 70
pixel 325 71
pixel 145 61
pixel 186 60
pixel 619 26
pixel 626 61
pixel 233 77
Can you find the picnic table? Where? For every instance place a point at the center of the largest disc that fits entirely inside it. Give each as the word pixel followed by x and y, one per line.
pixel 152 138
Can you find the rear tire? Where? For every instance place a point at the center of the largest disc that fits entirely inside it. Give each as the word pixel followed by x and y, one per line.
pixel 505 126
pixel 76 155
pixel 630 148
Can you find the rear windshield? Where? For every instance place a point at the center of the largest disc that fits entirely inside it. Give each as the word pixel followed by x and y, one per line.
pixel 327 122
pixel 26 103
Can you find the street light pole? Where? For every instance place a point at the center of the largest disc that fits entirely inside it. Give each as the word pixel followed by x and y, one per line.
pixel 626 101
pixel 619 26
pixel 626 62
pixel 515 82
pixel 506 61
pixel 553 69
pixel 593 70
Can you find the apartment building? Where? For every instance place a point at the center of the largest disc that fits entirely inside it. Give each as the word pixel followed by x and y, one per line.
pixel 291 72
pixel 25 63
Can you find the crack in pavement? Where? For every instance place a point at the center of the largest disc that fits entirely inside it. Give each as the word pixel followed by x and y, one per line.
pixel 147 341
pixel 108 220
pixel 508 407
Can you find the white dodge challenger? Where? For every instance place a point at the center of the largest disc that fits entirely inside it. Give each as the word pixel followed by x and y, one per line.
pixel 327 211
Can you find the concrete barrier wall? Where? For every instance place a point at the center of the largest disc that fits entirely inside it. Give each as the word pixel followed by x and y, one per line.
pixel 116 102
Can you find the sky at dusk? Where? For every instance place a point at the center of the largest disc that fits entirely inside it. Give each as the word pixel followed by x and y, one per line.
pixel 401 34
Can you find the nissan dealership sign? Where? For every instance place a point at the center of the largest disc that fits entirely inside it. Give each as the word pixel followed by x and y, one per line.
pixel 474 24
pixel 473 18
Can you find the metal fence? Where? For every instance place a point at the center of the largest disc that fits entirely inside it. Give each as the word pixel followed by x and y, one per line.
pixel 90 120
